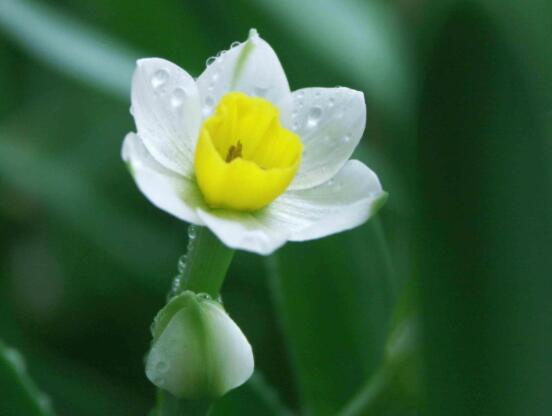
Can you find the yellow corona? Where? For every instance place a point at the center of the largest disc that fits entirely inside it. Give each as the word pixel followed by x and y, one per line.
pixel 244 157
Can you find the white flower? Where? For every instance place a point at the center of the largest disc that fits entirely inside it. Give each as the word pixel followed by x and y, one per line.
pixel 198 351
pixel 267 170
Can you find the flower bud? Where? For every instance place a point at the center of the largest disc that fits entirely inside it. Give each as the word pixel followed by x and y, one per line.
pixel 198 351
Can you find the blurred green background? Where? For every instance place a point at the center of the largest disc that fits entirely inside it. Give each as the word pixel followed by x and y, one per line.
pixel 440 305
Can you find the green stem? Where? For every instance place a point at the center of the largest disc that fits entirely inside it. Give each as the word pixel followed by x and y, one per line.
pixel 207 262
pixel 202 270
pixel 168 405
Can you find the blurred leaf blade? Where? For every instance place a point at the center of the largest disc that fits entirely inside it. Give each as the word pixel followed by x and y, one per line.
pixel 73 199
pixel 321 291
pixel 363 40
pixel 20 395
pixel 485 267
pixel 68 45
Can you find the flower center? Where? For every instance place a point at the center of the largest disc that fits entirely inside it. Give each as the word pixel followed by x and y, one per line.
pixel 244 157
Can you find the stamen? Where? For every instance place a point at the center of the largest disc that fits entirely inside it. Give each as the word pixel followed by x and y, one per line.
pixel 234 152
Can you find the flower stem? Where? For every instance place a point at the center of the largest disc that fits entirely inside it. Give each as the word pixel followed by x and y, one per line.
pixel 206 263
pixel 202 270
pixel 168 405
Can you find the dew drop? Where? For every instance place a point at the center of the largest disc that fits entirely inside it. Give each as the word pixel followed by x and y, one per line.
pixel 159 78
pixel 182 262
pixel 192 232
pixel 314 116
pixel 260 91
pixel 235 45
pixel 331 102
pixel 215 77
pixel 254 36
pixel 178 96
pixel 175 289
pixel 209 103
pixel 300 95
pixel 346 138
pixel 204 296
pixel 210 60
pixel 161 366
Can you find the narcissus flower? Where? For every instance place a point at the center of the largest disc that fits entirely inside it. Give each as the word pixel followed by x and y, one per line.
pixel 197 351
pixel 238 152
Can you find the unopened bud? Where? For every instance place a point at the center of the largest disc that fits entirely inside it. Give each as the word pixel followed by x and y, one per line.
pixel 198 351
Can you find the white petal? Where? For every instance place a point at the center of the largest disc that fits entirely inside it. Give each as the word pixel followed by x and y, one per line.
pixel 243 230
pixel 166 109
pixel 232 353
pixel 167 190
pixel 342 203
pixel 330 122
pixel 251 67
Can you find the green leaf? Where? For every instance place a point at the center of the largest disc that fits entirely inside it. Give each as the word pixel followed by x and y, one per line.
pixel 362 40
pixel 68 45
pixel 486 229
pixel 72 199
pixel 19 394
pixel 334 297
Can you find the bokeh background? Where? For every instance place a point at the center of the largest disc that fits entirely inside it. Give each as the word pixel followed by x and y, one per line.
pixel 441 305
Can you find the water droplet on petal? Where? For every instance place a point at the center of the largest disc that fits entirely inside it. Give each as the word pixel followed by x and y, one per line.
pixel 192 232
pixel 178 96
pixel 215 77
pixel 159 78
pixel 235 45
pixel 209 103
pixel 300 95
pixel 314 116
pixel 210 60
pixel 260 91
pixel 254 35
pixel 331 102
pixel 346 138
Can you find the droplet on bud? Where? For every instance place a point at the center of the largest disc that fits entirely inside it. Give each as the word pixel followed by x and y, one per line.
pixel 159 78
